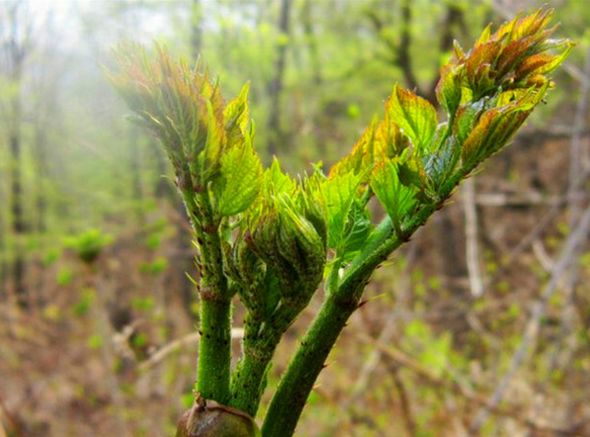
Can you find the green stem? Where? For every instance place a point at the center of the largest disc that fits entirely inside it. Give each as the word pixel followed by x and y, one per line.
pixel 249 377
pixel 261 337
pixel 213 367
pixel 214 360
pixel 249 380
pixel 296 384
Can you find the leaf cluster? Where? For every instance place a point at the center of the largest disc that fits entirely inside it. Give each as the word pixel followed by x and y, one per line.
pixel 88 244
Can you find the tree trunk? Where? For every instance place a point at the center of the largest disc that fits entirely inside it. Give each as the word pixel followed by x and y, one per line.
pixel 16 206
pixel 41 174
pixel 3 248
pixel 196 29
pixel 137 182
pixel 403 58
pixel 311 42
pixel 17 46
pixel 276 84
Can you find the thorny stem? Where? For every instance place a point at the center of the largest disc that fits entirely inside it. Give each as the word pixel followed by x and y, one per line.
pixel 297 382
pixel 214 350
pixel 214 360
pixel 260 342
pixel 249 377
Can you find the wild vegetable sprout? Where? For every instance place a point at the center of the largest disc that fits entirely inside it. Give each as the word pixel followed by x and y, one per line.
pixel 272 239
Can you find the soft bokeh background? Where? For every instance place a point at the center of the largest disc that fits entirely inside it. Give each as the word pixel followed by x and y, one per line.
pixel 479 326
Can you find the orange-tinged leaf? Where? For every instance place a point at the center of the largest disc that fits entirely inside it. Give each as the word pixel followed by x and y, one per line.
pixel 362 155
pixel 530 24
pixel 472 147
pixel 236 114
pixel 543 63
pixel 485 36
pixel 390 139
pixel 515 56
pixel 449 87
pixel 414 115
pixel 481 54
pixel 181 106
pixel 496 126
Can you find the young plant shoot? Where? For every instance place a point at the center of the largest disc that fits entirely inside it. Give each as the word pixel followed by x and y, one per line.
pixel 272 239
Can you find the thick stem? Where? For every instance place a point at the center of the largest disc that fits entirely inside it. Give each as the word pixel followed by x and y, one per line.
pixel 213 368
pixel 249 377
pixel 261 337
pixel 214 361
pixel 249 381
pixel 296 384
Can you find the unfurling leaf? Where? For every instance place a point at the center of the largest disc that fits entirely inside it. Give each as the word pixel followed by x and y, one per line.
pixel 208 142
pixel 178 103
pixel 379 141
pixel 497 125
pixel 287 233
pixel 449 88
pixel 239 181
pixel 517 55
pixel 357 230
pixel 240 176
pixel 414 115
pixel 339 193
pixel 363 154
pixel 299 242
pixel 397 198
pixel 237 117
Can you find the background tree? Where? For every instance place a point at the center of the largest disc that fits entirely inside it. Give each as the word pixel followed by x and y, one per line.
pixel 16 46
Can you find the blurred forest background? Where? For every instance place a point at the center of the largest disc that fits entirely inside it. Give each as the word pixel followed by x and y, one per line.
pixel 480 326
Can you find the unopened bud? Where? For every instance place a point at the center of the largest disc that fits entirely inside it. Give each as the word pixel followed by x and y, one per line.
pixel 210 419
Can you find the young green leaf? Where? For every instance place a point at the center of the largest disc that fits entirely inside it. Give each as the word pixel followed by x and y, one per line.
pixel 415 116
pixel 357 229
pixel 339 193
pixel 397 199
pixel 239 182
pixel 449 88
pixel 237 118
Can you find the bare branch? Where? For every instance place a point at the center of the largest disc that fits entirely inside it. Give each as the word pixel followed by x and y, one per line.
pixel 471 239
pixel 176 345
pixel 538 310
pixel 576 192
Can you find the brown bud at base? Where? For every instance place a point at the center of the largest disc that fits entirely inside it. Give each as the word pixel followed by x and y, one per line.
pixel 210 419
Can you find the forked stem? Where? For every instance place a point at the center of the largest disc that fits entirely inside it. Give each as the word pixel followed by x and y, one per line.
pixel 298 380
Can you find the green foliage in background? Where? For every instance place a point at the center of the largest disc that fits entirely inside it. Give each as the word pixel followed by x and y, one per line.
pixel 88 244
